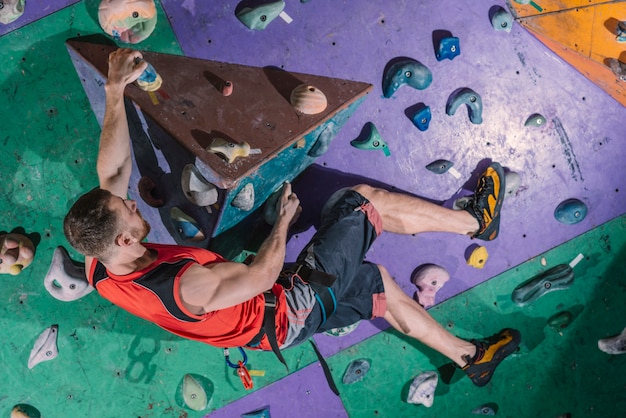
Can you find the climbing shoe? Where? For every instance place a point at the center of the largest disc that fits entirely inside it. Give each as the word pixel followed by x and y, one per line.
pixel 489 353
pixel 487 201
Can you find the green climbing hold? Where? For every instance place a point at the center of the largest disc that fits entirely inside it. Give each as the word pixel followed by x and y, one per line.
pixel 258 18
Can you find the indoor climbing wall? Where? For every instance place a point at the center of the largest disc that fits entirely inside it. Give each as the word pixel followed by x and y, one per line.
pixel 454 85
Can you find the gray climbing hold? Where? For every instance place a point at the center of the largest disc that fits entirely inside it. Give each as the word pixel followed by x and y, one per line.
pixel 559 277
pixel 422 389
pixel 501 19
pixel 535 120
pixel 196 188
pixel 356 371
pixel 341 331
pixel 439 166
pixel 614 345
pixel 45 347
pixel 469 98
pixel 65 279
pixel 244 199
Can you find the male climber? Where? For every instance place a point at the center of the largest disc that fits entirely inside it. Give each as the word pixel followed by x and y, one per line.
pixel 199 295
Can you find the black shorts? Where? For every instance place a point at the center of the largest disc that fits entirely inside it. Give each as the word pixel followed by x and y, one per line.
pixel 347 230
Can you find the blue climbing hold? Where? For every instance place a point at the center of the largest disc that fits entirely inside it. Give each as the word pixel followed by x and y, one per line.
pixel 422 118
pixel 440 166
pixel 469 98
pixel 406 71
pixel 356 371
pixel 448 48
pixel 570 211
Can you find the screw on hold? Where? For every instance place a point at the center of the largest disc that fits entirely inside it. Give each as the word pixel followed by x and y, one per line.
pixel 548 285
pixel 453 48
pixel 72 286
pixel 263 18
pixel 135 15
pixel 48 353
pixel 408 74
pixel 473 99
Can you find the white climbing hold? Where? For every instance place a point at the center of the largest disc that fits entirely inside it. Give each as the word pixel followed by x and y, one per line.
pixel 45 347
pixel 196 188
pixel 614 345
pixel 244 199
pixel 66 279
pixel 422 389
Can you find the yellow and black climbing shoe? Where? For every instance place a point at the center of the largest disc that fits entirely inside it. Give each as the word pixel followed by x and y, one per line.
pixel 489 353
pixel 487 201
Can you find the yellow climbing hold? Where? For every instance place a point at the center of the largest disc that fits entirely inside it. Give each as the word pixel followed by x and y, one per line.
pixel 478 257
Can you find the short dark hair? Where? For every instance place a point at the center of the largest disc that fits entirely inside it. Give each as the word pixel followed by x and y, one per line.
pixel 91 226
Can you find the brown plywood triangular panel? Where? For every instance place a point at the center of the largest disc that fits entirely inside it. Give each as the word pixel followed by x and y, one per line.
pixel 585 37
pixel 191 108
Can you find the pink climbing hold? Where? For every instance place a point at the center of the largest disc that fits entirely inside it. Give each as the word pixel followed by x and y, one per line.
pixel 428 278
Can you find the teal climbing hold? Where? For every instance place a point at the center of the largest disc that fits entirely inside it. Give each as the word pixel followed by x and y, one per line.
pixel 259 17
pixel 356 371
pixel 259 413
pixel 535 120
pixel 448 48
pixel 469 98
pixel 421 118
pixel 439 166
pixel 559 277
pixel 501 20
pixel 489 409
pixel 370 139
pixel 570 211
pixel 408 72
pixel 561 320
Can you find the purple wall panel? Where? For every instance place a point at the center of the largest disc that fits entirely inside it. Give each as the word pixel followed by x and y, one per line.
pixel 34 10
pixel 578 153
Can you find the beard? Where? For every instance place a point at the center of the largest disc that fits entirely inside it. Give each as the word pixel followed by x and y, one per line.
pixel 141 233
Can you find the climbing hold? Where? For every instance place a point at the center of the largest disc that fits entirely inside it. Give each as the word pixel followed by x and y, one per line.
pixel 501 19
pixel 196 188
pixel 614 345
pixel 270 207
pixel 341 331
pixel 127 21
pixel 489 409
pixel 11 10
pixel 308 99
pixel 512 182
pixel 193 393
pixel 535 120
pixel 356 371
pixel 471 99
pixel 45 347
pixel 559 277
pixel 422 389
pixel 421 118
pixel 149 80
pixel 24 410
pixel 406 71
pixel 244 199
pixel 560 320
pixel 259 17
pixel 323 140
pixel 618 68
pixel 478 257
pixel 371 140
pixel 149 193
pixel 227 88
pixel 429 278
pixel 16 253
pixel 230 150
pixel 186 226
pixel 439 166
pixel 621 31
pixel 447 48
pixel 66 279
pixel 570 211
pixel 259 413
